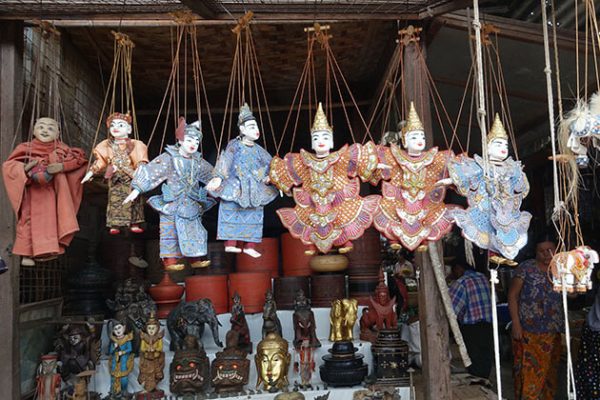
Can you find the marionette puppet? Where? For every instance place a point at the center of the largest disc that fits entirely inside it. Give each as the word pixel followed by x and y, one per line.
pixel 242 184
pixel 183 200
pixel 118 157
pixel 493 219
pixel 42 183
pixel 329 211
pixel 412 209
pixel 582 123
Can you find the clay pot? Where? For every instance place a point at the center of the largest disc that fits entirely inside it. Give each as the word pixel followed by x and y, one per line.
pixel 295 262
pixel 213 287
pixel 329 263
pixel 268 261
pixel 327 287
pixel 343 367
pixel 166 295
pixel 363 267
pixel 251 287
pixel 285 288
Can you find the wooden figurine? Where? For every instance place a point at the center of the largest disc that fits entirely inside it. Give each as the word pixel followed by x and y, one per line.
pixel 304 322
pixel 42 183
pixel 230 368
pixel 121 358
pixel 152 357
pixel 239 324
pixel 189 371
pixel 342 317
pixel 380 314
pixel 48 380
pixel 271 323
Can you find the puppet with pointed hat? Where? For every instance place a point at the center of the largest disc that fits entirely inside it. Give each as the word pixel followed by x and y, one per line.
pixel 242 183
pixel 412 209
pixel 118 157
pixel 329 211
pixel 183 173
pixel 493 220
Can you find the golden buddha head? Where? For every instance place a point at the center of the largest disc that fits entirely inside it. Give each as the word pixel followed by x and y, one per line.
pixel 272 362
pixel 46 130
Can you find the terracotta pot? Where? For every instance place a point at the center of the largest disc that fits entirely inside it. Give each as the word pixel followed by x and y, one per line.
pixel 166 295
pixel 295 262
pixel 252 287
pixel 213 287
pixel 285 289
pixel 327 287
pixel 268 261
pixel 329 263
pixel 363 267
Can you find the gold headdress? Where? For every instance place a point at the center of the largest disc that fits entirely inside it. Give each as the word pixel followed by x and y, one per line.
pixel 320 123
pixel 497 131
pixel 413 122
pixel 273 341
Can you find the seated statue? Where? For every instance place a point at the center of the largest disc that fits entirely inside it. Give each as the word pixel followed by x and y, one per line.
pixel 379 314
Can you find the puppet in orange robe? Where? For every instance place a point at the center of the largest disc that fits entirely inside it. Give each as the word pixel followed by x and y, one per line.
pixel 42 182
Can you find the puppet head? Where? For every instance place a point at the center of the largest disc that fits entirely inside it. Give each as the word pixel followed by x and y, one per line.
pixel 497 141
pixel 321 134
pixel 247 124
pixel 46 130
pixel 413 133
pixel 119 125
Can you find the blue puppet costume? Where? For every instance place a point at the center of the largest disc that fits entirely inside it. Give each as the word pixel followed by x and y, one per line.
pixel 183 200
pixel 493 220
pixel 241 182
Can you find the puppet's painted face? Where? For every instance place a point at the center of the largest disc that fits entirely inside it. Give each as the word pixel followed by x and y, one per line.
pixel 414 141
pixel 498 149
pixel 322 141
pixel 49 366
pixel 46 130
pixel 151 329
pixel 190 144
pixel 119 330
pixel 119 128
pixel 250 130
pixel 74 339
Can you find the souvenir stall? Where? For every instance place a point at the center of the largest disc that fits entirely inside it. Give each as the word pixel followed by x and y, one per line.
pixel 262 199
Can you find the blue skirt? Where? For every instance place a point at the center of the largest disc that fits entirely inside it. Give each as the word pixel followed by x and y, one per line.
pixel 237 223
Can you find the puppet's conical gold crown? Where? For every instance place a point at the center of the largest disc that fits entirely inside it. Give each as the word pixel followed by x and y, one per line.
pixel 497 131
pixel 320 123
pixel 413 122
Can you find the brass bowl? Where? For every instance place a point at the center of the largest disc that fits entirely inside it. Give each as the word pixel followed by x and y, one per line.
pixel 329 263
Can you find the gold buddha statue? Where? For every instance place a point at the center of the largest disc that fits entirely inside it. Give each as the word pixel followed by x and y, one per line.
pixel 272 362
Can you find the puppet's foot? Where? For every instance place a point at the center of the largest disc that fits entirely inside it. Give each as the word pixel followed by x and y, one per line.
pixel 499 260
pixel 27 262
pixel 173 264
pixel 231 247
pixel 197 262
pixel 136 229
pixel 346 248
pixel 395 245
pixel 250 249
pixel 114 231
pixel 311 251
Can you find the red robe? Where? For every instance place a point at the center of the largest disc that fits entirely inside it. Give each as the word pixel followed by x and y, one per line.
pixel 46 211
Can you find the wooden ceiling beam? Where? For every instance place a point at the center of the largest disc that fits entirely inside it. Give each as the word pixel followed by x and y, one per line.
pixel 199 8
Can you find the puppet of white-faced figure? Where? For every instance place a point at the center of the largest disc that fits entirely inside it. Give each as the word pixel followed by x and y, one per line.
pixel 241 182
pixel 579 126
pixel 412 210
pixel 493 220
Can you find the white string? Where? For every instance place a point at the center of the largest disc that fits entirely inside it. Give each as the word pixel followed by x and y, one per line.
pixel 481 113
pixel 572 395
pixel 493 282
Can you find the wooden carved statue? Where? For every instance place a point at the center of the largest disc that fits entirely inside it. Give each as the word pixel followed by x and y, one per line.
pixel 380 313
pixel 342 317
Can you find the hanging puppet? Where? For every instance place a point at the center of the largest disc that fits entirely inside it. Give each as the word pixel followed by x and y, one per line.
pixel 329 210
pixel 42 183
pixel 118 157
pixel 183 200
pixel 242 183
pixel 412 209
pixel 493 219
pixel 583 122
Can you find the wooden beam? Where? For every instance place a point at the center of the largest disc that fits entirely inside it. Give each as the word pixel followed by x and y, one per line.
pixel 444 8
pixel 199 8
pixel 11 84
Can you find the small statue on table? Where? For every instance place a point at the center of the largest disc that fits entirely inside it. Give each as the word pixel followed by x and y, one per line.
pixel 231 368
pixel 271 321
pixel 240 325
pixel 188 318
pixel 272 361
pixel 304 322
pixel 380 313
pixel 121 359
pixel 152 359
pixel 305 364
pixel 77 350
pixel 189 371
pixel 48 380
pixel 342 317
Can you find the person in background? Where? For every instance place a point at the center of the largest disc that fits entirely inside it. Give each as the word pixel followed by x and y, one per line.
pixel 537 322
pixel 587 369
pixel 470 294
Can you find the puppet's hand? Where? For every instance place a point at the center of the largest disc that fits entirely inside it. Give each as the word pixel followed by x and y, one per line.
pixel 132 196
pixel 443 182
pixel 55 168
pixel 214 184
pixel 87 177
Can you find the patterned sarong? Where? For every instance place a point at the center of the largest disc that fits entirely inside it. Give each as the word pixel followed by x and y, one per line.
pixel 238 223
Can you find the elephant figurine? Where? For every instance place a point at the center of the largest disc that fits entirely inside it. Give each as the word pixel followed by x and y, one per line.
pixel 576 266
pixel 188 318
pixel 342 317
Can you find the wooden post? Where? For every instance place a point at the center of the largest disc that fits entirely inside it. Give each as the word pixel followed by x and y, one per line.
pixel 11 84
pixel 433 322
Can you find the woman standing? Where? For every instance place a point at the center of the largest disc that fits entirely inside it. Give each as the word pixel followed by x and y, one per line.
pixel 537 323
